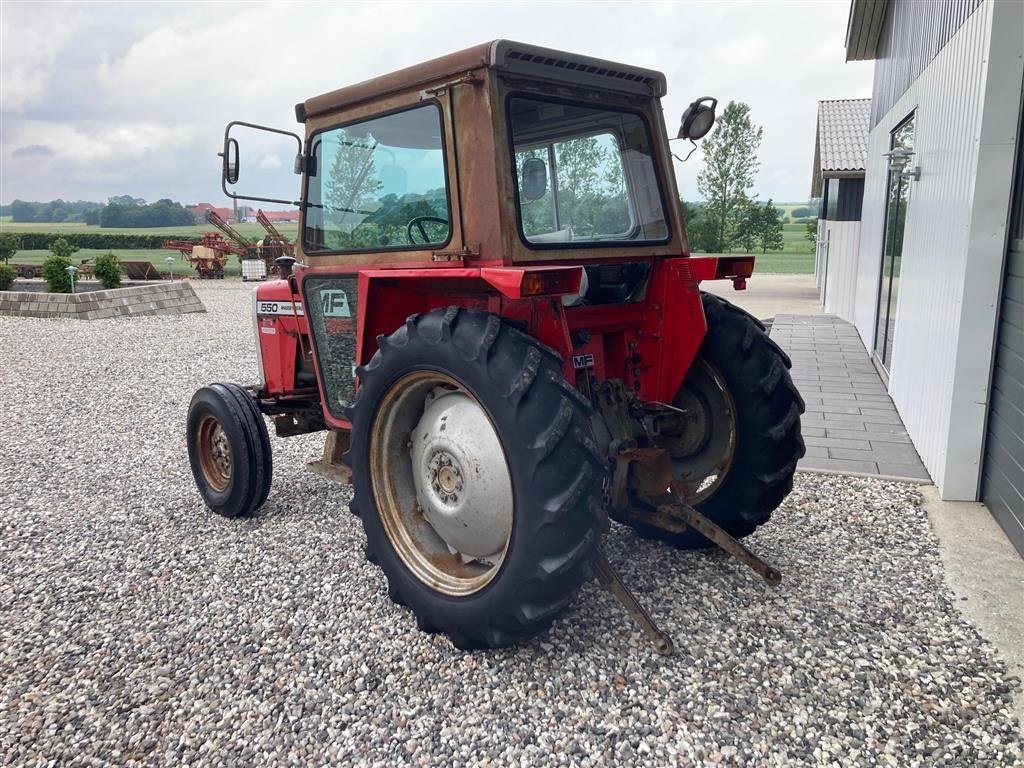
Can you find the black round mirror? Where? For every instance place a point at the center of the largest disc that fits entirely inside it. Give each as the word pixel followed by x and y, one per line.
pixel 698 119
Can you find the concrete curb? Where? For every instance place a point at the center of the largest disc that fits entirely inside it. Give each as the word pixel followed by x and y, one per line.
pixel 155 299
pixel 986 573
pixel 865 475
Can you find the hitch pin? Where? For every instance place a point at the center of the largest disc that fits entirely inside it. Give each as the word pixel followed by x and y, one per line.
pixel 609 578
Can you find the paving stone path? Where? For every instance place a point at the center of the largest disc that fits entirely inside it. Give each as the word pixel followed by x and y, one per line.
pixel 851 424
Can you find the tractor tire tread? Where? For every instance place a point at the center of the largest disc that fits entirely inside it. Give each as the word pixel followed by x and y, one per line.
pixel 235 408
pixel 769 409
pixel 544 433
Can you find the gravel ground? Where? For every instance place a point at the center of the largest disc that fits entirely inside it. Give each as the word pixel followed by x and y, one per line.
pixel 138 628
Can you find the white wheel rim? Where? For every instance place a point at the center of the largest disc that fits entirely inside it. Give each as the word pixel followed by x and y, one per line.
pixel 441 483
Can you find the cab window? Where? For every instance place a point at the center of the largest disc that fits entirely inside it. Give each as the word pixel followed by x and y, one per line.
pixel 379 184
pixel 584 176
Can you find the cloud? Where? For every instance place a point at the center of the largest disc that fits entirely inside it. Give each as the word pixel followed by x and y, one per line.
pixel 136 103
pixel 33 150
pixel 269 163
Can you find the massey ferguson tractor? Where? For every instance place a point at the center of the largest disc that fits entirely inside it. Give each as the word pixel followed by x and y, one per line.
pixel 493 314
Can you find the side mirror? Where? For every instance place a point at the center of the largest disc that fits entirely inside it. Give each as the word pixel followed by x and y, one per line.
pixel 535 178
pixel 273 155
pixel 697 119
pixel 230 155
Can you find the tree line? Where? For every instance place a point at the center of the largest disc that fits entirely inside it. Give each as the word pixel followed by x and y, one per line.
pixel 729 217
pixel 121 211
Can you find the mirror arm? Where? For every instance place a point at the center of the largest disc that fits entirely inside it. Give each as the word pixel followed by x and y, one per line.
pixel 256 126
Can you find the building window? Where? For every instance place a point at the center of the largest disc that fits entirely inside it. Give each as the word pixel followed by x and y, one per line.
pixel 892 251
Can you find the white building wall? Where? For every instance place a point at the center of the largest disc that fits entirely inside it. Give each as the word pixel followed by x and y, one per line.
pixel 839 290
pixel 953 242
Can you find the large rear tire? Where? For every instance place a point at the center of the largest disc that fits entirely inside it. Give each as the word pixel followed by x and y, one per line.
pixel 753 435
pixel 229 449
pixel 476 477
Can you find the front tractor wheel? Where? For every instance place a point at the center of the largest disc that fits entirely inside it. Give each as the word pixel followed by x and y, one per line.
pixel 229 449
pixel 736 458
pixel 476 477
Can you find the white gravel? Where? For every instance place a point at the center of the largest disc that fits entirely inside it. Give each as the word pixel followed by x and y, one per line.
pixel 137 628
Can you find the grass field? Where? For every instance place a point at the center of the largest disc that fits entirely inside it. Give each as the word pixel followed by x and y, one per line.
pixel 250 229
pixel 796 257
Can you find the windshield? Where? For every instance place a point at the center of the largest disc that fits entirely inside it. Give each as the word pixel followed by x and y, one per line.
pixel 379 184
pixel 584 175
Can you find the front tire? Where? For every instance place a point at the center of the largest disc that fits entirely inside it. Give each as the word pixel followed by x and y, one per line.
pixel 432 500
pixel 229 449
pixel 759 404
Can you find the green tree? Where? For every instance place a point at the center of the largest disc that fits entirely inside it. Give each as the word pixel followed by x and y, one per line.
pixel 591 189
pixel 769 228
pixel 9 245
pixel 350 191
pixel 747 226
pixel 811 231
pixel 62 249
pixel 22 211
pixel 730 162
pixel 7 275
pixel 107 270
pixel 697 230
pixel 55 273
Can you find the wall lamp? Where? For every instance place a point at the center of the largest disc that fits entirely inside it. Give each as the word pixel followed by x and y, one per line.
pixel 899 159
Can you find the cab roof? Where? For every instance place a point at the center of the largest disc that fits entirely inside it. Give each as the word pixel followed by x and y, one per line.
pixel 504 55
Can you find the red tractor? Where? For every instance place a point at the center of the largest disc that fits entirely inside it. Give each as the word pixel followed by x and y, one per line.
pixel 494 315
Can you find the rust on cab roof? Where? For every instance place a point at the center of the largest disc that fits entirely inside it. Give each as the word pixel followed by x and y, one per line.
pixel 504 55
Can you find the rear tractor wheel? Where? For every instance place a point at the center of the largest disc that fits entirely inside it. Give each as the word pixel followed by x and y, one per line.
pixel 229 449
pixel 476 477
pixel 742 441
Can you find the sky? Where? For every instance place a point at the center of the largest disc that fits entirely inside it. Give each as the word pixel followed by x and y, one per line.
pixel 108 98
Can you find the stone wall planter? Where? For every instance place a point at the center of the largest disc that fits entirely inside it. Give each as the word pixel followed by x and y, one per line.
pixel 177 298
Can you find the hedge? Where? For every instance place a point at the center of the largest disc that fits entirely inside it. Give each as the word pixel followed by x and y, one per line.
pixel 41 241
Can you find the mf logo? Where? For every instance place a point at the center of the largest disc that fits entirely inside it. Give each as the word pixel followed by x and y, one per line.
pixel 334 303
pixel 583 361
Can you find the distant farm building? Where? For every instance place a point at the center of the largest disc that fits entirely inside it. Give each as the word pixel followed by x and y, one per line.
pixel 200 211
pixel 840 157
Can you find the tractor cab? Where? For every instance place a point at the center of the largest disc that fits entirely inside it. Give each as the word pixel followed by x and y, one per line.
pixel 492 312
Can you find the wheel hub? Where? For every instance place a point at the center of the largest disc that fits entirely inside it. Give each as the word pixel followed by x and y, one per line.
pixel 214 453
pixel 461 478
pixel 447 480
pixel 703 452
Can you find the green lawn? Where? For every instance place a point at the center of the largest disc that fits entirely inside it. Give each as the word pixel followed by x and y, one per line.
pixel 777 263
pixel 157 257
pixel 251 229
pixel 796 257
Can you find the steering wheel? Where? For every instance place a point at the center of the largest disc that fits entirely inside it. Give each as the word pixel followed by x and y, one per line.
pixel 418 223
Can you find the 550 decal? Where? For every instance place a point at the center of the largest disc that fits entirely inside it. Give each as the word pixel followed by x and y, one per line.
pixel 333 303
pixel 289 308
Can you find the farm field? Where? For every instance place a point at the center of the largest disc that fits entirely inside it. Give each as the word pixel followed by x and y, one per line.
pixel 796 257
pixel 249 229
pixel 157 256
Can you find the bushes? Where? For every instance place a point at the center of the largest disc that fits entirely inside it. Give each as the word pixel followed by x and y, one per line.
pixel 55 265
pixel 55 276
pixel 7 275
pixel 9 245
pixel 107 270
pixel 41 241
pixel 61 248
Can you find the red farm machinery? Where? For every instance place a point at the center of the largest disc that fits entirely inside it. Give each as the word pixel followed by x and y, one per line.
pixel 207 257
pixel 493 315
